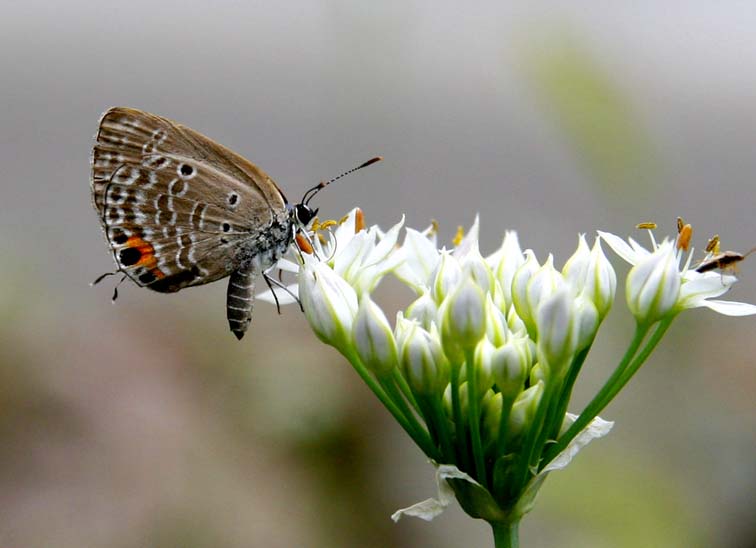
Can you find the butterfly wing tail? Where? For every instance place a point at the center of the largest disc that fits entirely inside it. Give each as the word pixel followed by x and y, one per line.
pixel 240 300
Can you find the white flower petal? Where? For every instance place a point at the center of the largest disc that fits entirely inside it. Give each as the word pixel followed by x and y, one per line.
pixel 430 508
pixel 728 308
pixel 469 243
pixel 597 428
pixel 284 297
pixel 619 246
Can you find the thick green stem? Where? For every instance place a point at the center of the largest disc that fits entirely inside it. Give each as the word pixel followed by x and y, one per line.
pixel 473 411
pixel 506 534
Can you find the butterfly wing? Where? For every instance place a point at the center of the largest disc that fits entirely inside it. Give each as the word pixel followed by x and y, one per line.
pixel 175 206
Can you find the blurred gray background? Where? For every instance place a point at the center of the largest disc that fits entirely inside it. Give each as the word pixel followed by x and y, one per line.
pixel 147 424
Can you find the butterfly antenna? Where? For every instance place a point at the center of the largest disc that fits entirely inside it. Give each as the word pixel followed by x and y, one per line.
pixel 321 185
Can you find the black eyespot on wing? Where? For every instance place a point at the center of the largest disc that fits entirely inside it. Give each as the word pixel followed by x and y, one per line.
pixel 233 198
pixel 120 239
pixel 129 256
pixel 186 170
pixel 226 227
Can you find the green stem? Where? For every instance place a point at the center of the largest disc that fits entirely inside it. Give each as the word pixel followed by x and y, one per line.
pixel 394 393
pixel 566 392
pixel 473 410
pixel 622 374
pixel 506 534
pixel 419 436
pixel 459 425
pixel 442 427
pixel 401 382
pixel 522 473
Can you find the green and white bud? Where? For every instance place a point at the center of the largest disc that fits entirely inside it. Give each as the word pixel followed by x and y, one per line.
pixel 497 329
pixel 556 330
pixel 464 320
pixel 587 322
pixel 523 410
pixel 373 338
pixel 482 364
pixel 520 283
pixel 423 310
pixel 329 302
pixel 490 417
pixel 509 367
pixel 653 285
pixel 475 266
pixel 538 373
pixel 600 281
pixel 574 270
pixel 446 277
pixel 423 362
pixel 505 263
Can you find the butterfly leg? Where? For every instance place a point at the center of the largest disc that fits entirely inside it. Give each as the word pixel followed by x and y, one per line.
pixel 271 282
pixel 240 299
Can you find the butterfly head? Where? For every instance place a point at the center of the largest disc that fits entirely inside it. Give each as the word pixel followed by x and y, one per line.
pixel 302 214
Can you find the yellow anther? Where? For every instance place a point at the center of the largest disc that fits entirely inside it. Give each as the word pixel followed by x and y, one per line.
pixel 713 245
pixel 648 225
pixel 459 235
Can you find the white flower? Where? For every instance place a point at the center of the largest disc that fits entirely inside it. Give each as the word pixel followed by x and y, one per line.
pixel 696 288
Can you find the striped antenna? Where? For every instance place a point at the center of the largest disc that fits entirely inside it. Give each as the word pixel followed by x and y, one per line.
pixel 321 185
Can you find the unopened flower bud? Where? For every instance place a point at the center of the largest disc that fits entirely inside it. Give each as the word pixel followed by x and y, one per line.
pixel 496 323
pixel 520 283
pixel 586 322
pixel 505 263
pixel 653 285
pixel 446 276
pixel 464 321
pixel 373 338
pixel 509 367
pixel 423 361
pixel 524 409
pixel 423 310
pixel 600 281
pixel 482 364
pixel 556 330
pixel 330 303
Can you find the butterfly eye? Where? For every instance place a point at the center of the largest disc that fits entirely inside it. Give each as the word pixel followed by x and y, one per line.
pixel 304 214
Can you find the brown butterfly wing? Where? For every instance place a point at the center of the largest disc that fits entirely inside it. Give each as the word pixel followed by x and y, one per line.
pixel 176 207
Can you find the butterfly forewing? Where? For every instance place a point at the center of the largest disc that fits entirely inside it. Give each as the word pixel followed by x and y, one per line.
pixel 176 207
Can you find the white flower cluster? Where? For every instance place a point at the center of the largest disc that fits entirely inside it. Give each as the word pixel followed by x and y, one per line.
pixel 487 353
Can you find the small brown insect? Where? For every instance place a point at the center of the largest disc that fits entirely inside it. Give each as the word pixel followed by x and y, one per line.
pixel 722 261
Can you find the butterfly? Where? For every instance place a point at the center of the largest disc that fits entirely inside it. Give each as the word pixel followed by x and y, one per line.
pixel 180 210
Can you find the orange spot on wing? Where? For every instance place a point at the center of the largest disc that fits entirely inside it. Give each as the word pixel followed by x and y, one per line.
pixel 147 254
